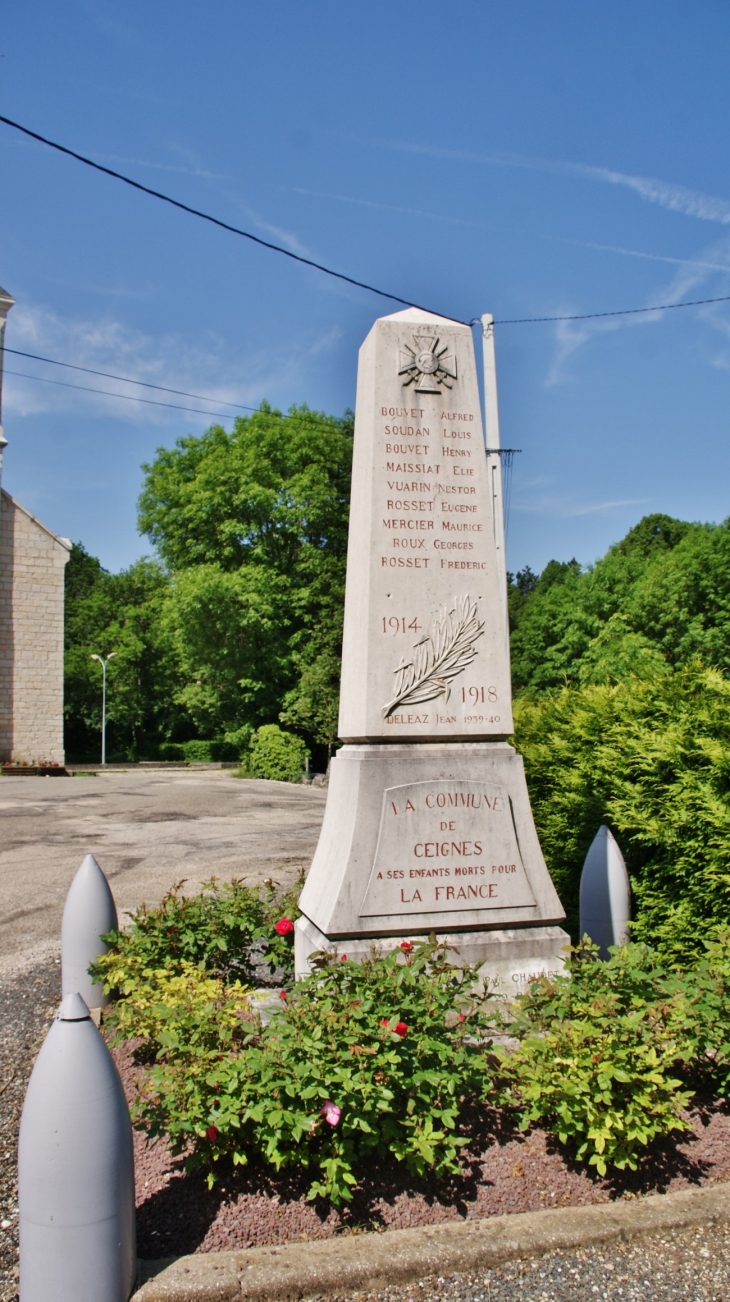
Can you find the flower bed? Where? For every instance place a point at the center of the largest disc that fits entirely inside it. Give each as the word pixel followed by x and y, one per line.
pixel 396 1062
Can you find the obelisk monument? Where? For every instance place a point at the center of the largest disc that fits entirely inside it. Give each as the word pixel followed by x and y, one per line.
pixel 428 826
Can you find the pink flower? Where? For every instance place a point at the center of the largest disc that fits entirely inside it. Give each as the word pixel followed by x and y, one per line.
pixel 331 1113
pixel 343 958
pixel 461 1017
pixel 284 926
pixel 406 946
pixel 212 1133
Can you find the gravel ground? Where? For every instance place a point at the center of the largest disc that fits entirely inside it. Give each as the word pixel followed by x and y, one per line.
pixel 27 1007
pixel 685 1266
pixel 176 1214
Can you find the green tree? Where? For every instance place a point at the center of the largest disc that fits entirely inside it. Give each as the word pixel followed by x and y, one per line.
pixel 274 492
pixel 124 613
pixel 231 630
pixel 253 527
pixel 668 581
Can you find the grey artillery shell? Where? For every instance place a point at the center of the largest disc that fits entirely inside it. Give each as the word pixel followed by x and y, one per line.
pixel 89 913
pixel 605 895
pixel 76 1170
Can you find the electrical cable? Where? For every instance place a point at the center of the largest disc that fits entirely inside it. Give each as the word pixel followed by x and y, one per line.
pixel 593 316
pixel 146 384
pixel 125 379
pixel 126 397
pixel 339 275
pixel 130 397
pixel 216 221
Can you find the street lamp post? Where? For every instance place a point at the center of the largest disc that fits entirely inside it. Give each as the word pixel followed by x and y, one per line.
pixel 103 664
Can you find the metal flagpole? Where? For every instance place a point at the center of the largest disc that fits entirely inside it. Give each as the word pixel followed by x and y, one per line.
pixel 494 458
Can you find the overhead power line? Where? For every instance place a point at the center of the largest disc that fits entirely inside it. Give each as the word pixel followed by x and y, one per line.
pixel 216 221
pixel 303 417
pixel 107 393
pixel 339 275
pixel 125 379
pixel 593 316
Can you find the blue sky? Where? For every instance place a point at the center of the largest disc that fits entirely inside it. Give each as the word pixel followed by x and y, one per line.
pixel 524 159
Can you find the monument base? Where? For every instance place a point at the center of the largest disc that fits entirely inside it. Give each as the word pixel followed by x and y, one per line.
pixel 507 960
pixel 428 837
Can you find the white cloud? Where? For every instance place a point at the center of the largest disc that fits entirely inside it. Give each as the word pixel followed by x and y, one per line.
pixel 558 507
pixel 689 276
pixel 606 506
pixel 201 367
pixel 164 167
pixel 387 207
pixel 569 337
pixel 639 253
pixel 676 198
pixel 326 341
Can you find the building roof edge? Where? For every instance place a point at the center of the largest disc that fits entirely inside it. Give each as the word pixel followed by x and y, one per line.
pixel 65 542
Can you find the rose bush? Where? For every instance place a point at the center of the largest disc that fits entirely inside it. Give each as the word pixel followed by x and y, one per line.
pixel 231 929
pixel 362 1060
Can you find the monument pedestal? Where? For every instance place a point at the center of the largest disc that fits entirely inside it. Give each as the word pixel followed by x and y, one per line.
pixel 433 837
pixel 507 960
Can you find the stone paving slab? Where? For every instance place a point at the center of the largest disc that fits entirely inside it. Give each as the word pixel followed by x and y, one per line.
pixel 358 1263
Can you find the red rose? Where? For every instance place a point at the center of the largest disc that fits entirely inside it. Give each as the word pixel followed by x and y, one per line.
pixel 282 994
pixel 384 1022
pixel 343 958
pixel 212 1133
pixel 400 1029
pixel 284 926
pixel 406 946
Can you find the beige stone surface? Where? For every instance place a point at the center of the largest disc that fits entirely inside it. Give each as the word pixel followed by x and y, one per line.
pixel 147 831
pixel 419 836
pixel 369 1262
pixel 425 652
pixel 506 960
pixel 32 561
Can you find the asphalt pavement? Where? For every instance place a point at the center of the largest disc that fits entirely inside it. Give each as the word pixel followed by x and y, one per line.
pixel 148 830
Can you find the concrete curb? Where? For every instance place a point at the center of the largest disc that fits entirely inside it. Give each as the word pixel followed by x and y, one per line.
pixel 357 1262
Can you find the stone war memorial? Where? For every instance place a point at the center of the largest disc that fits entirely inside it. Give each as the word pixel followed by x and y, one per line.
pixel 428 826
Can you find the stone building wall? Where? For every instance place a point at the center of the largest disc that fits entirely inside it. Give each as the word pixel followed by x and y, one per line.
pixel 32 561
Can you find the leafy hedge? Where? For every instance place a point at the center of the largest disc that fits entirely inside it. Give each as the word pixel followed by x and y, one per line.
pixel 276 754
pixel 610 1053
pixel 650 757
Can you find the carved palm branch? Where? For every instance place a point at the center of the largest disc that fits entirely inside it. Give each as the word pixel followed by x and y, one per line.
pixel 447 651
